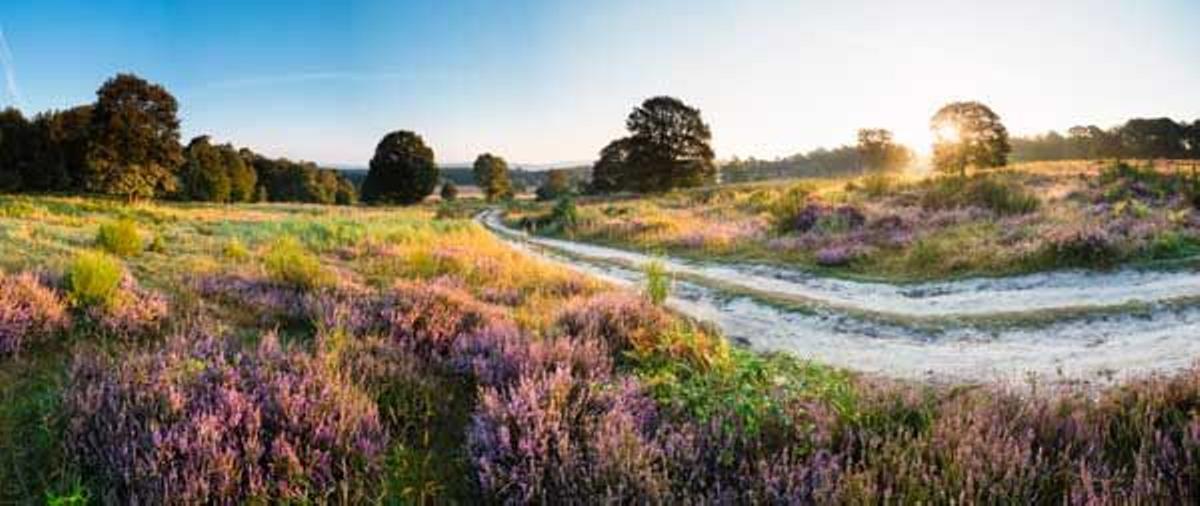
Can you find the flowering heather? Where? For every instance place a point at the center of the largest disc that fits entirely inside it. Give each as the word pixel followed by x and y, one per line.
pixel 619 320
pixel 554 439
pixel 430 317
pixel 201 421
pixel 28 311
pixel 133 314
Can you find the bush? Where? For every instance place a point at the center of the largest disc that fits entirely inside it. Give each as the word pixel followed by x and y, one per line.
pixel 1082 246
pixel 235 250
pixel 621 322
pixel 658 282
pixel 202 422
pixel 564 214
pixel 289 263
pixel 28 312
pixel 94 279
pixel 132 314
pixel 120 238
pixel 824 219
pixel 981 190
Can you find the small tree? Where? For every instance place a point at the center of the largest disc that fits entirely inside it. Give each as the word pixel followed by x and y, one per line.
pixel 558 183
pixel 242 178
pixel 491 174
pixel 402 171
pixel 135 148
pixel 449 191
pixel 968 134
pixel 878 151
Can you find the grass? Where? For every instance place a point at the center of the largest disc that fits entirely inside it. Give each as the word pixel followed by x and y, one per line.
pixel 230 269
pixel 907 227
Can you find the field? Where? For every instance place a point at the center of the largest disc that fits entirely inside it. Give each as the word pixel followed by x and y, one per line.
pixel 903 227
pixel 303 353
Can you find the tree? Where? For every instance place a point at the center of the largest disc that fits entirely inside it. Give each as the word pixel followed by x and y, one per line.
pixel 402 171
pixel 1153 138
pixel 491 174
pixel 968 134
pixel 669 146
pixel 449 191
pixel 1192 139
pixel 558 184
pixel 242 178
pixel 878 151
pixel 135 146
pixel 61 149
pixel 204 176
pixel 15 160
pixel 612 172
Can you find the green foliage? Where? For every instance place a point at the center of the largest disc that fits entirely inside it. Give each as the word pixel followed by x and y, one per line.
pixel 986 191
pixel 877 184
pixel 120 238
pixel 491 174
pixel 668 147
pixel 157 245
pixel 449 191
pixel 658 282
pixel 879 152
pixel 134 149
pixel 558 184
pixel 402 171
pixel 564 214
pixel 288 262
pixel 968 135
pixel 205 177
pixel 236 251
pixel 788 204
pixel 94 279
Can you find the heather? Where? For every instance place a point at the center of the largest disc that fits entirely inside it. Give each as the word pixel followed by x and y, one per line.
pixel 911 226
pixel 432 363
pixel 200 421
pixel 29 312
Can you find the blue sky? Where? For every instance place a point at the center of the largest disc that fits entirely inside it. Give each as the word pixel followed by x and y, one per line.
pixel 540 81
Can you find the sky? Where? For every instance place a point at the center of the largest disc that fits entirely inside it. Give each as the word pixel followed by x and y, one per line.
pixel 546 82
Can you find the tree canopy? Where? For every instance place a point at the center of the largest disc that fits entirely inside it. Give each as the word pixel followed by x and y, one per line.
pixel 968 134
pixel 134 150
pixel 491 174
pixel 402 171
pixel 878 151
pixel 668 147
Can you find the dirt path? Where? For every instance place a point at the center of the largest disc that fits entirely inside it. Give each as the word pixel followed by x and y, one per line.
pixel 1057 326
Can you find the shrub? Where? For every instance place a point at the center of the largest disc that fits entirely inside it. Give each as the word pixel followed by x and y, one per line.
pixel 132 314
pixel 1081 246
pixel 658 282
pixel 787 207
pixel 554 439
pixel 120 238
pixel 985 191
pixel 620 321
pixel 876 184
pixel 822 218
pixel 28 312
pixel 431 317
pixel 200 421
pixel 235 250
pixel 564 213
pixel 288 263
pixel 94 279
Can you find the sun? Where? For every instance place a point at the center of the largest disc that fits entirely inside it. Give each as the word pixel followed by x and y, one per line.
pixel 946 132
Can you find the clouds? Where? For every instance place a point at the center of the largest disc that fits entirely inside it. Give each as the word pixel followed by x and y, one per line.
pixel 12 94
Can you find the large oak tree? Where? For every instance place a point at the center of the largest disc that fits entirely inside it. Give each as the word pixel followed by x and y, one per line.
pixel 134 150
pixel 668 147
pixel 968 134
pixel 491 174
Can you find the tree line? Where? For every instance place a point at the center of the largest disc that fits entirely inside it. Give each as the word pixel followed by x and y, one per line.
pixel 1142 138
pixel 127 144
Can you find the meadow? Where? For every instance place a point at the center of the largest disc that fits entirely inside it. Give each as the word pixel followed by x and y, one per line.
pixel 182 354
pixel 910 227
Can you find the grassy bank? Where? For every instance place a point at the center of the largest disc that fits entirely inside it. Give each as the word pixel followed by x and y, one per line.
pixel 1026 218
